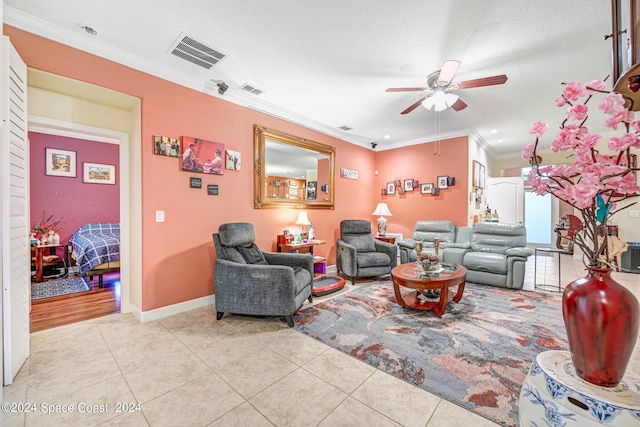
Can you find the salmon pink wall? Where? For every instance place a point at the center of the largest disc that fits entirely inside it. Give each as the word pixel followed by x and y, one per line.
pixel 419 163
pixel 178 254
pixel 71 199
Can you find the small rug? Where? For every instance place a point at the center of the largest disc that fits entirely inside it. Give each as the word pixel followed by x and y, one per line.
pixel 58 287
pixel 476 355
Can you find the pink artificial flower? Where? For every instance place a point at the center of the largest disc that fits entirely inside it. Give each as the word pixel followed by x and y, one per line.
pixel 620 143
pixel 527 151
pixel 595 85
pixel 577 112
pixel 567 138
pixel 560 101
pixel 538 129
pixel 573 91
pixel 635 125
pixel 612 103
pixel 618 117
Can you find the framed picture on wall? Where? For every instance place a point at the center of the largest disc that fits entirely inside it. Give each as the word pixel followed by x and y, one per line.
pixel 202 156
pixel 478 174
pixel 166 146
pixel 96 173
pixel 60 162
pixel 408 185
pixel 426 188
pixel 443 182
pixel 391 188
pixel 233 160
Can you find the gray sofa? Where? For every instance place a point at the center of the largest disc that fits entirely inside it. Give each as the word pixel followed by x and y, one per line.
pixel 496 255
pixel 425 231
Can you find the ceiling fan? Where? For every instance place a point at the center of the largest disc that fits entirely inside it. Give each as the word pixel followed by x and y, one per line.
pixel 439 88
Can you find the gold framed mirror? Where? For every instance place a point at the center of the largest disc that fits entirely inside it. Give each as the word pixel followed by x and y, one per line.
pixel 292 172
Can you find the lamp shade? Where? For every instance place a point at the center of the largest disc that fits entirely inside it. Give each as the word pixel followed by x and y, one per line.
pixel 303 219
pixel 382 209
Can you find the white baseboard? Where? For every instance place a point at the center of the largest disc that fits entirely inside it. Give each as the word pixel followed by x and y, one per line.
pixel 170 310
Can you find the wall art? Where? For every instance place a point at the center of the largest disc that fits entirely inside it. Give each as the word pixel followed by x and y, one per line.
pixel 233 160
pixel 60 162
pixel 391 188
pixel 408 185
pixel 96 173
pixel 348 173
pixel 166 146
pixel 426 188
pixel 202 156
pixel 443 182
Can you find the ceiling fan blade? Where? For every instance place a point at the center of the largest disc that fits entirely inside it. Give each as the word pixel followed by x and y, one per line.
pixel 459 105
pixel 413 106
pixel 486 81
pixel 447 72
pixel 406 89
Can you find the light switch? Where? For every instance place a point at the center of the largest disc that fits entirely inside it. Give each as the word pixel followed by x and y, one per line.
pixel 634 214
pixel 159 216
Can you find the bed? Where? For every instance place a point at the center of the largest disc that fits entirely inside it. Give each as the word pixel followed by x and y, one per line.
pixel 96 249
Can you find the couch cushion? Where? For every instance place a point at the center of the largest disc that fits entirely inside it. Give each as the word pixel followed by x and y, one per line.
pixel 372 259
pixel 427 230
pixel 362 242
pixel 485 261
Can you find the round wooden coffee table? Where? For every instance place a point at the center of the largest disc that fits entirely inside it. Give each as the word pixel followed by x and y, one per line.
pixel 451 275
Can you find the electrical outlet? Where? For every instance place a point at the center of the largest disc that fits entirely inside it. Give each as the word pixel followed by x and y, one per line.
pixel 159 216
pixel 634 214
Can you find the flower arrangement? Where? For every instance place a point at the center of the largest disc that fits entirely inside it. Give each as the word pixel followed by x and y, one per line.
pixel 47 225
pixel 595 183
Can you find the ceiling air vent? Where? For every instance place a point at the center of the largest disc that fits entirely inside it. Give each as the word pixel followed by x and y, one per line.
pixel 251 89
pixel 345 128
pixel 195 52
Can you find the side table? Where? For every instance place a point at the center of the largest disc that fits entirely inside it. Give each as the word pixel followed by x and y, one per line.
pixel 554 395
pixel 39 258
pixel 319 263
pixel 552 251
pixel 388 239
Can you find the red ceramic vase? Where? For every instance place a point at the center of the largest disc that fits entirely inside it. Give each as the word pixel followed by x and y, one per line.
pixel 601 318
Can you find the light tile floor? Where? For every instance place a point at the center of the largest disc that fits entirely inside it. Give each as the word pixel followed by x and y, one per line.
pixel 190 369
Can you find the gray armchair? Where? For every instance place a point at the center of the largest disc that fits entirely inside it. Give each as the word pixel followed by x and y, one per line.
pixel 250 281
pixel 360 255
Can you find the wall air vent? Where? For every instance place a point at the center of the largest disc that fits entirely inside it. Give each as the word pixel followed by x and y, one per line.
pixel 195 52
pixel 251 89
pixel 345 128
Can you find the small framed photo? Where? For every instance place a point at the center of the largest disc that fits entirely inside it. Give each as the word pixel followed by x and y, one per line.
pixel 408 185
pixel 397 183
pixel 166 146
pixel 400 190
pixel 60 162
pixel 96 173
pixel 478 174
pixel 233 160
pixel 443 182
pixel 426 188
pixel 384 192
pixel 391 188
pixel 415 183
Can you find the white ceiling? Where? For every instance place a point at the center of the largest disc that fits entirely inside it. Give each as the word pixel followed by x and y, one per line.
pixel 325 64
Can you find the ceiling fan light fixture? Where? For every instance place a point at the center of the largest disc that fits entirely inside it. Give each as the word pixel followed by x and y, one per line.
pixel 450 99
pixel 428 103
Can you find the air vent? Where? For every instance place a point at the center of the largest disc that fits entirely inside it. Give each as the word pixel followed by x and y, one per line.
pixel 345 128
pixel 195 52
pixel 251 89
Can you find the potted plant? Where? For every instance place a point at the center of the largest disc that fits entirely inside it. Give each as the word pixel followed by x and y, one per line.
pixel 600 315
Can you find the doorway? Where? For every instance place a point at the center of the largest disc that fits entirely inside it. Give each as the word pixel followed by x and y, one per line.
pixel 538 214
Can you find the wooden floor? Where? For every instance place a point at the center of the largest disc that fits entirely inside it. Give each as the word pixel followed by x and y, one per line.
pixel 51 312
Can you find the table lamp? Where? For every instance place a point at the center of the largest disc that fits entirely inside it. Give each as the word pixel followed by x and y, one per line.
pixel 382 209
pixel 303 219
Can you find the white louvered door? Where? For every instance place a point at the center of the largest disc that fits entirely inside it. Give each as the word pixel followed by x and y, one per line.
pixel 14 218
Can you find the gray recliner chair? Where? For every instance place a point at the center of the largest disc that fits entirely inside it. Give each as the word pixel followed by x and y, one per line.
pixel 252 282
pixel 360 255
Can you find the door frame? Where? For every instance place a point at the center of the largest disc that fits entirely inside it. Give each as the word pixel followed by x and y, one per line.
pixel 75 130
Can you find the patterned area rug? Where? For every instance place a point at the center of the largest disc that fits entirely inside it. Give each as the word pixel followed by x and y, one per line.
pixel 476 355
pixel 58 287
